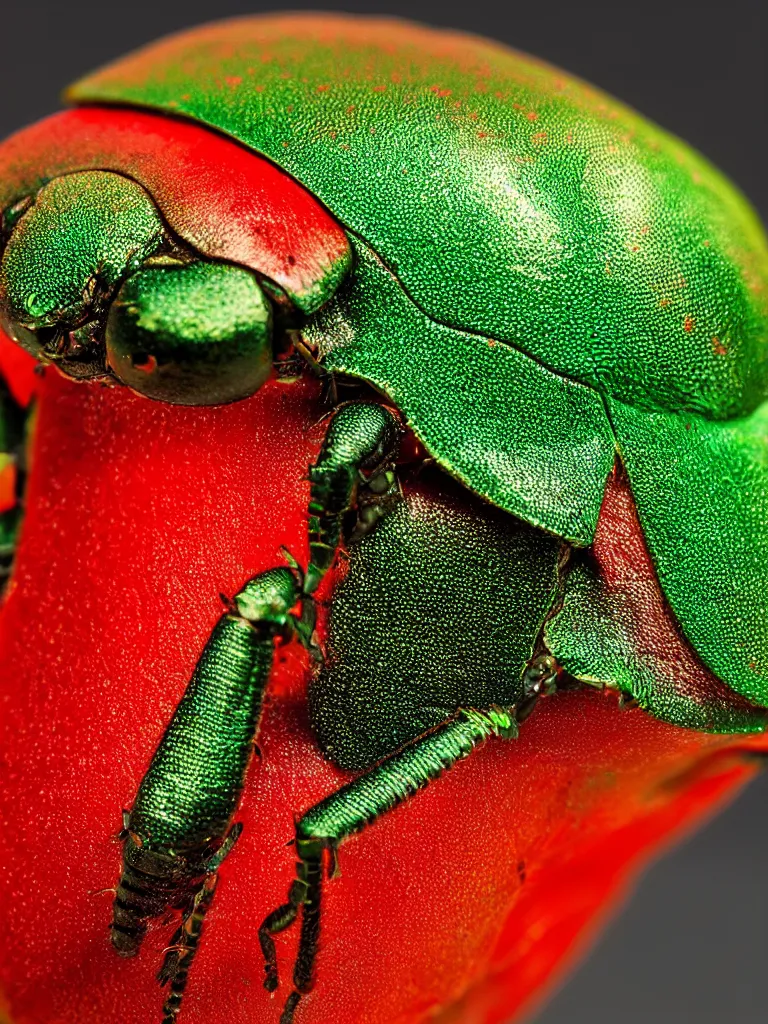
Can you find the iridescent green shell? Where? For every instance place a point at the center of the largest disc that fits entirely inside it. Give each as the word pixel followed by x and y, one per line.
pixel 544 280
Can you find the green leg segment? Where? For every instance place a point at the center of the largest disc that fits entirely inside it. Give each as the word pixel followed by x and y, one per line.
pixel 181 953
pixel 180 827
pixel 359 804
pixel 356 456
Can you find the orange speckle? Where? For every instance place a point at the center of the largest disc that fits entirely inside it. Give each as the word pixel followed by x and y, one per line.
pixel 185 97
pixel 379 88
pixel 258 88
pixel 473 115
pixel 663 303
pixel 569 138
pixel 233 81
pixel 707 243
pixel 718 347
pixel 539 138
pixel 607 266
pixel 148 364
pixel 689 323
pixel 323 88
pixel 491 343
pixel 532 115
pixel 351 108
pixel 439 91
pixel 645 229
pixel 482 135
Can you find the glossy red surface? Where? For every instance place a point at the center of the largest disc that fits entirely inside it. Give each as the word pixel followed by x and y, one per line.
pixel 223 199
pixel 470 898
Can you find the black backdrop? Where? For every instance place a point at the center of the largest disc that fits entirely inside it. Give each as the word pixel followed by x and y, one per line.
pixel 693 943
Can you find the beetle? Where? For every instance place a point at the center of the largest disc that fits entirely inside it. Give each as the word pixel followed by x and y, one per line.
pixel 542 336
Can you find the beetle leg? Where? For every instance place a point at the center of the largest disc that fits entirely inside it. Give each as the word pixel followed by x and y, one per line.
pixel 186 801
pixel 179 830
pixel 357 455
pixel 185 942
pixel 362 801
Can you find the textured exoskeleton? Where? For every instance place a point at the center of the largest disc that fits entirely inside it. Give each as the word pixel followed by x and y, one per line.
pixel 541 322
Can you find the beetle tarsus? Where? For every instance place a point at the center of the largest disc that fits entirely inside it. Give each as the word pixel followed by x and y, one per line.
pixel 289 1010
pixel 184 945
pixel 360 803
pixel 276 922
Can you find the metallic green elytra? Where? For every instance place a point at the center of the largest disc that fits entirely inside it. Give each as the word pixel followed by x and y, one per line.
pixel 546 282
pixel 564 306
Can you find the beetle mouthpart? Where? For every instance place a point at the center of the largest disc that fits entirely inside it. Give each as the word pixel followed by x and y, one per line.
pixel 67 251
pixel 192 334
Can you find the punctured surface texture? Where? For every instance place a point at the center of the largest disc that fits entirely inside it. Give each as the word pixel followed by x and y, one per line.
pixel 191 789
pixel 138 515
pixel 510 199
pixel 527 439
pixel 216 195
pixel 439 609
pixel 613 624
pixel 515 203
pixel 81 227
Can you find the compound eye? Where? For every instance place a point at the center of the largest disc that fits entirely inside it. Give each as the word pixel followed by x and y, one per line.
pixel 192 334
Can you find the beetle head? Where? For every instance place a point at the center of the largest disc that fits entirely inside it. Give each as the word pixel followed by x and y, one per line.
pixel 92 281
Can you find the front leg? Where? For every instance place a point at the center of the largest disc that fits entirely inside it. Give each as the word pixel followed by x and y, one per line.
pixel 361 802
pixel 177 831
pixel 180 827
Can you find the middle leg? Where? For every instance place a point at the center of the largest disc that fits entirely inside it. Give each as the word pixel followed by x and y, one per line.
pixel 361 802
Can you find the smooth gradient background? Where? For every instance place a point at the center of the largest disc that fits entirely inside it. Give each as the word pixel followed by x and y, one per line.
pixel 693 943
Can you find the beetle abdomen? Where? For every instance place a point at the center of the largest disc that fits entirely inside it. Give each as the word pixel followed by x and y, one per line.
pixel 440 609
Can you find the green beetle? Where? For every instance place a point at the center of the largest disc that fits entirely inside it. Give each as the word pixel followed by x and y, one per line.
pixel 549 293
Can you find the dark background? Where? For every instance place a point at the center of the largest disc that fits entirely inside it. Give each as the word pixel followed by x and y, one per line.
pixel 693 944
